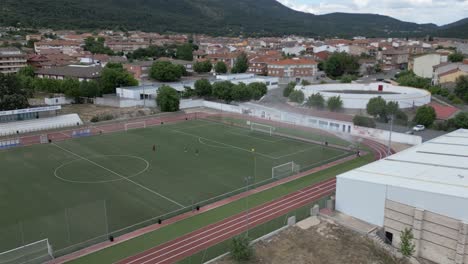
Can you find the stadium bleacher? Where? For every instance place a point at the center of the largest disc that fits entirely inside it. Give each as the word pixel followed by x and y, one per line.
pixel 33 125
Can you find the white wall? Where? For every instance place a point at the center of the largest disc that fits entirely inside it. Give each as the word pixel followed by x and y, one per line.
pixel 378 134
pixel 451 206
pixel 57 101
pixel 362 200
pixel 407 97
pixel 422 65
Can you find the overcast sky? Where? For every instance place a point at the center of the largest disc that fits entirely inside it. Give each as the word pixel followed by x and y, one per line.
pixel 439 12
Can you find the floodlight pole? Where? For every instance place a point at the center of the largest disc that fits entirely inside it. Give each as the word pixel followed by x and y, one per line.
pixel 389 151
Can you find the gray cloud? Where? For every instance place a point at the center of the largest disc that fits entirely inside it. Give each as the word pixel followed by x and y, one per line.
pixel 420 11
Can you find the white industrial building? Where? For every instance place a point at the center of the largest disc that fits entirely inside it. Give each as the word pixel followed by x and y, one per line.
pixel 424 188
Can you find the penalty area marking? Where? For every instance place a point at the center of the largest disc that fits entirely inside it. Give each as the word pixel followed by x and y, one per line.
pixel 103 181
pixel 117 174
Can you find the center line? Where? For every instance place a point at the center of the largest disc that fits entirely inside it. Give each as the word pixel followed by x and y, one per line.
pixel 123 177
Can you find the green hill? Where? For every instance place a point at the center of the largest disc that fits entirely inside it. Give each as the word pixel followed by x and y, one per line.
pixel 217 17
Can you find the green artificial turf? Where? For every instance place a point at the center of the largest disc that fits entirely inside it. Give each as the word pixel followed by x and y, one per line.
pixel 76 192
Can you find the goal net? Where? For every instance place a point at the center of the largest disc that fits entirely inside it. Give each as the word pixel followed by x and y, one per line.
pixel 135 125
pixel 285 170
pixel 262 128
pixel 37 252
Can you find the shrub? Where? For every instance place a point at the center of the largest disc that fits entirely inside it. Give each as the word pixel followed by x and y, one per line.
pixel 334 103
pixel 364 121
pixel 425 115
pixel 241 250
pixel 316 100
pixel 296 96
pixel 305 83
pixel 406 245
pixel 289 89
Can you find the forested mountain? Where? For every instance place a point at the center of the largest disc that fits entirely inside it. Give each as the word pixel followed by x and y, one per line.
pixel 217 17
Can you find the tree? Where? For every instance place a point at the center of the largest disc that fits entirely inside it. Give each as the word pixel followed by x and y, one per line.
pixel 220 67
pixel 347 78
pixel 241 65
pixel 185 52
pixel 377 107
pixel 223 90
pixel 203 87
pixel 407 246
pixel 425 115
pixel 408 78
pixel 168 99
pixel 456 57
pixel 258 90
pixel 287 91
pixel 165 71
pixel 461 88
pixel 334 103
pixel 241 250
pixel 12 94
pixel 202 66
pixel 241 92
pixel 364 121
pixel 316 100
pixel 113 76
pixel 71 89
pixel 392 108
pixel 340 63
pixel 13 101
pixel 27 71
pixel 460 120
pixel 90 89
pixel 97 46
pixel 296 96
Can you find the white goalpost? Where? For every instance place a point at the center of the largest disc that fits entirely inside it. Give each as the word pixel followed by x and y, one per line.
pixel 135 125
pixel 36 252
pixel 262 128
pixel 285 170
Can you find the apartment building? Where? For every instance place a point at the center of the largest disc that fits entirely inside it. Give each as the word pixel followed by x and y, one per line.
pixel 11 60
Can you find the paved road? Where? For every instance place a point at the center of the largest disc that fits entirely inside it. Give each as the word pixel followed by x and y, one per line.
pixel 426 135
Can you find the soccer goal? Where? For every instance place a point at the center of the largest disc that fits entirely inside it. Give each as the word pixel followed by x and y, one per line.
pixel 285 170
pixel 135 125
pixel 262 128
pixel 36 252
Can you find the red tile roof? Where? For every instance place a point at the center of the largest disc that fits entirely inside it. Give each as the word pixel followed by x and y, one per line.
pixel 294 62
pixel 444 112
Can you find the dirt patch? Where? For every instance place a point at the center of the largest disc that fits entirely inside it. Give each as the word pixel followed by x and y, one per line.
pixel 88 111
pixel 326 243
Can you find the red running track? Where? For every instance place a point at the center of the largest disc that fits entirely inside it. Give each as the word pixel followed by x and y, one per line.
pixel 210 235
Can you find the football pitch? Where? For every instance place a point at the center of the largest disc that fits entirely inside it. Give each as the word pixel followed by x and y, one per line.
pixel 77 191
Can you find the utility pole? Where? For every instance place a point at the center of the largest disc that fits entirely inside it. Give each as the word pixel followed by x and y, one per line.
pixel 389 152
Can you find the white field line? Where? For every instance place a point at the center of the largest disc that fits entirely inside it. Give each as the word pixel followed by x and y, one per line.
pixel 227 230
pixel 297 152
pixel 326 161
pixel 123 177
pixel 257 138
pixel 227 145
pixel 238 218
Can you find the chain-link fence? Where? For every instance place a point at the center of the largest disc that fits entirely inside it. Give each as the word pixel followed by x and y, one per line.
pixel 254 233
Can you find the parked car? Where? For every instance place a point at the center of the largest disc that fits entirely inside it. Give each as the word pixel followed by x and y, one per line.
pixel 419 128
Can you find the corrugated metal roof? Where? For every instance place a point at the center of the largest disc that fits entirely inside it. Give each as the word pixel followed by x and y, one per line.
pixel 437 166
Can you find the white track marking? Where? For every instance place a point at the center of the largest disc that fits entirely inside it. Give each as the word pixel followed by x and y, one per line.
pixel 237 218
pixel 123 177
